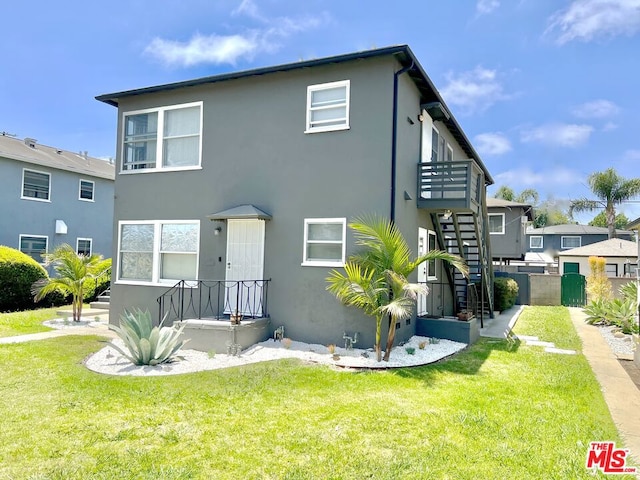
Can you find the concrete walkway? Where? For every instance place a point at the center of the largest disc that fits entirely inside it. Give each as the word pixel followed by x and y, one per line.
pixel 501 325
pixel 620 393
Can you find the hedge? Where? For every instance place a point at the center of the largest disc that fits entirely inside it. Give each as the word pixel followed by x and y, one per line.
pixel 505 292
pixel 18 272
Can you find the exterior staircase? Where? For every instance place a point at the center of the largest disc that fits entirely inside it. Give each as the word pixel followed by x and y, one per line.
pixel 102 302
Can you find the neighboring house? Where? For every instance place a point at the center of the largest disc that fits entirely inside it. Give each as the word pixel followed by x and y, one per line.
pixel 51 196
pixel 558 238
pixel 621 258
pixel 250 179
pixel 507 225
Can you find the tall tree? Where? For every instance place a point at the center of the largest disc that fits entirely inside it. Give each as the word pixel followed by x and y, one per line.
pixel 528 195
pixel 611 190
pixel 600 220
pixel 73 271
pixel 375 280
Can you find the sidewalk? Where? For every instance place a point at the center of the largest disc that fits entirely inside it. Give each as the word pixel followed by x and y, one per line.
pixel 620 393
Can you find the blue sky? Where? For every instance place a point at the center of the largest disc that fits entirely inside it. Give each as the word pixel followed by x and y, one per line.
pixel 547 90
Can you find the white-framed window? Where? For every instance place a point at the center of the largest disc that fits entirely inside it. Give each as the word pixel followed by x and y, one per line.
pixel 496 223
pixel 87 188
pixel 611 269
pixel 432 273
pixel 435 143
pixel 536 241
pixel 449 154
pixel 570 242
pixel 158 251
pixel 166 138
pixel 36 185
pixel 324 242
pixel 35 246
pixel 84 246
pixel 328 107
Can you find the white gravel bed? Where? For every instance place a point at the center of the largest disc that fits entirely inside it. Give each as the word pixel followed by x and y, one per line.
pixel 109 361
pixel 618 345
pixel 61 324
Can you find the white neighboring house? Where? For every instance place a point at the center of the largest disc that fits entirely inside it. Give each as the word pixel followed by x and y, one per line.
pixel 621 257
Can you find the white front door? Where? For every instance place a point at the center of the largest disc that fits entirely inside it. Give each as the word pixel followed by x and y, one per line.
pixel 423 247
pixel 245 263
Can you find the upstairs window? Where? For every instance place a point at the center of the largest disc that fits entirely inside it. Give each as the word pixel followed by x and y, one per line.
pixel 496 223
pixel 165 138
pixel 328 107
pixel 34 245
pixel 36 185
pixel 324 242
pixel 536 241
pixel 83 246
pixel 86 190
pixel 570 242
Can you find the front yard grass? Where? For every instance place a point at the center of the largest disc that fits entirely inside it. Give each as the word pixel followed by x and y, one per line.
pixel 23 323
pixel 497 410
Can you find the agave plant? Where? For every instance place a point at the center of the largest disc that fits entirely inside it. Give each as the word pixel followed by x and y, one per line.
pixel 146 344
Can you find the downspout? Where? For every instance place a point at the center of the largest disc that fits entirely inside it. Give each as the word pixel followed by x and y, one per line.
pixel 394 139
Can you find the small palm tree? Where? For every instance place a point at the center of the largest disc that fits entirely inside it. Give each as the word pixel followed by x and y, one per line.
pixel 611 190
pixel 375 280
pixel 72 272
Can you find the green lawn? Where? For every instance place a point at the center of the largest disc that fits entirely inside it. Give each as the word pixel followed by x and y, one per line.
pixel 23 323
pixel 494 411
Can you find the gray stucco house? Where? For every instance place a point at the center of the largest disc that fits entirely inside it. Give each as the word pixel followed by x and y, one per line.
pixel 52 196
pixel 234 192
pixel 507 226
pixel 557 238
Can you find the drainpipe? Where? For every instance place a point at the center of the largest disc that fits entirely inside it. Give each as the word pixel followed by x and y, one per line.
pixel 394 139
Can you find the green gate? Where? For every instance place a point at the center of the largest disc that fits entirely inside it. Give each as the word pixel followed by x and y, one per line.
pixel 573 293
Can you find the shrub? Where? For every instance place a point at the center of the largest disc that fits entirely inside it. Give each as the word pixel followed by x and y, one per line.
pixel 146 344
pixel 598 285
pixel 619 313
pixel 629 291
pixel 95 287
pixel 18 272
pixel 505 292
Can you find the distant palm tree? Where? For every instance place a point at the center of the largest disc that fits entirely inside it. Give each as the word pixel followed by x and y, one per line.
pixel 375 280
pixel 611 190
pixel 72 273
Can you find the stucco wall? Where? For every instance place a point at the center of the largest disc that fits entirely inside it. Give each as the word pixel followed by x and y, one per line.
pixel 545 289
pixel 31 217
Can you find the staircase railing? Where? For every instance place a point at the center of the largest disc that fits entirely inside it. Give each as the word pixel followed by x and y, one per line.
pixel 214 299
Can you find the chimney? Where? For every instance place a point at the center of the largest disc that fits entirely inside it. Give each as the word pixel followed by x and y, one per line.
pixel 30 142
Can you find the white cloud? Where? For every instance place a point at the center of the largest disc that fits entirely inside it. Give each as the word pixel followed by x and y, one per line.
pixel 558 134
pixel 203 49
pixel 473 91
pixel 486 6
pixel 586 20
pixel 525 177
pixel 492 144
pixel 596 109
pixel 632 155
pixel 219 49
pixel 609 126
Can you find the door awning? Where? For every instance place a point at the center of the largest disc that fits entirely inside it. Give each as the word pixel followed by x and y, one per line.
pixel 240 212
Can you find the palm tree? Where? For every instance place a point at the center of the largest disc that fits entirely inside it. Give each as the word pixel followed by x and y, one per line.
pixel 611 190
pixel 375 279
pixel 72 273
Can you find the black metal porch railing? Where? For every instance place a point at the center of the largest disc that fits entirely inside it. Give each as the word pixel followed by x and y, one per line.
pixel 214 299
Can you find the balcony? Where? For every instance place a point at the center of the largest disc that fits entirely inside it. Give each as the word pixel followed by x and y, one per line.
pixel 455 186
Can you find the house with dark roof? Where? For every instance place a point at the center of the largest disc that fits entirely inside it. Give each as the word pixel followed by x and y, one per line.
pixel 554 239
pixel 508 222
pixel 52 196
pixel 234 192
